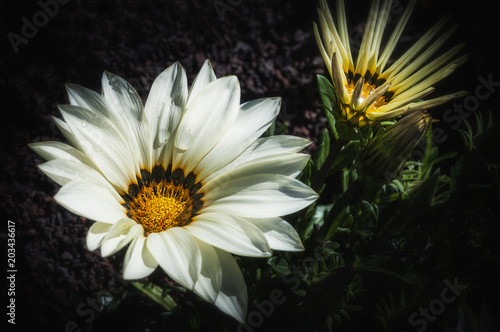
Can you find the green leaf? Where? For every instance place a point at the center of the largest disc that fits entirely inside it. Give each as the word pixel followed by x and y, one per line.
pixel 318 218
pixel 279 264
pixel 347 131
pixel 323 149
pixel 157 294
pixel 346 157
pixel 326 93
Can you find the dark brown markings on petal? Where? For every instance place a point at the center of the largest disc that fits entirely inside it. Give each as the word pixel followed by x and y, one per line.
pixel 350 76
pixel 189 181
pixel 133 190
pixel 388 95
pixel 197 206
pixel 356 77
pixel 146 177
pixel 168 174
pixel 158 173
pixel 368 76
pixel 127 200
pixel 195 188
pixel 197 197
pixel 177 176
pixel 379 82
pixel 140 183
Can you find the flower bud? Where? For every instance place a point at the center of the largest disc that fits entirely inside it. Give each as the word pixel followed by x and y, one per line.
pixel 384 157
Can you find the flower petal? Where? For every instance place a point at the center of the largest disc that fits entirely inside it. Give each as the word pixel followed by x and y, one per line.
pixel 64 171
pixel 119 236
pixel 252 120
pixel 64 129
pixel 57 150
pixel 102 143
pixel 96 234
pixel 91 201
pixel 178 254
pixel 288 164
pixel 204 76
pixel 268 146
pixel 209 281
pixel 88 99
pixel 260 196
pixel 279 233
pixel 233 297
pixel 166 102
pixel 126 112
pixel 229 233
pixel 208 117
pixel 138 262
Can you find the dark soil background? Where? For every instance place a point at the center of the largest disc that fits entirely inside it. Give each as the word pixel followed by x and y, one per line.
pixel 269 45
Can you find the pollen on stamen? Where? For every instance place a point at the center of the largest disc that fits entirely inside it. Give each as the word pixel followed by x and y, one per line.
pixel 357 116
pixel 167 199
pixel 157 210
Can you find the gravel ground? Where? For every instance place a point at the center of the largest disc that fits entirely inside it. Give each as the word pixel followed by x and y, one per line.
pixel 269 45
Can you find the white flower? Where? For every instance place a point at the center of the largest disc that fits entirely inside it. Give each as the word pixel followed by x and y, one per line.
pixel 368 92
pixel 185 181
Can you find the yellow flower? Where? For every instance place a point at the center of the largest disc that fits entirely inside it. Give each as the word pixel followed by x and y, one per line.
pixel 367 91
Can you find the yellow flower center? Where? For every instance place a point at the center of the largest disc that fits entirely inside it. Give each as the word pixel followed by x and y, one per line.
pixel 159 208
pixel 357 116
pixel 163 199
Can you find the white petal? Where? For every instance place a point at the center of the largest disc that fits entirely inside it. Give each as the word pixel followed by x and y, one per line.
pixel 268 146
pixel 88 99
pixel 233 297
pixel 178 254
pixel 64 171
pixel 119 236
pixel 208 283
pixel 138 262
pixel 91 201
pixel 166 102
pixel 102 143
pixel 57 150
pixel 288 164
pixel 253 119
pixel 96 234
pixel 229 233
pixel 279 233
pixel 126 112
pixel 260 196
pixel 204 76
pixel 64 129
pixel 206 120
pixel 121 96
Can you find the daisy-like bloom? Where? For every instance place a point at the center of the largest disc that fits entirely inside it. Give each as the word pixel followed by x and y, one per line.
pixel 184 180
pixel 367 91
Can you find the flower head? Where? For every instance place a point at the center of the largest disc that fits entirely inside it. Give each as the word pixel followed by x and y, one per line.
pixel 184 181
pixel 367 91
